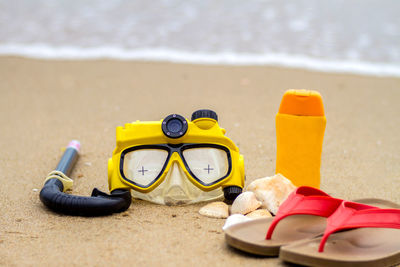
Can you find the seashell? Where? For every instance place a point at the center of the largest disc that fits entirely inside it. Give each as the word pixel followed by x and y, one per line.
pixel 215 210
pixel 272 191
pixel 244 203
pixel 235 219
pixel 262 213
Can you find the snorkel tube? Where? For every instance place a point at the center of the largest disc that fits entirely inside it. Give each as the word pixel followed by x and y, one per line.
pixel 98 204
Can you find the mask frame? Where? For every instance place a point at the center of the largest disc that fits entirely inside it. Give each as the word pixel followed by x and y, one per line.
pixel 171 149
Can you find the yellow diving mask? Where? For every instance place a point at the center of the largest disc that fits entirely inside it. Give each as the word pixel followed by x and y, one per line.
pixel 177 161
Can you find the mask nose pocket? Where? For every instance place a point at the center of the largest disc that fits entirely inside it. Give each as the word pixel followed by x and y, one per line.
pixel 176 189
pixel 175 176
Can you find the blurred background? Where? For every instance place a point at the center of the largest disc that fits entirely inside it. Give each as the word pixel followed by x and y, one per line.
pixel 358 36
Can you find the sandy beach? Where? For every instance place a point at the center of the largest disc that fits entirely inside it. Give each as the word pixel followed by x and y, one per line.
pixel 45 104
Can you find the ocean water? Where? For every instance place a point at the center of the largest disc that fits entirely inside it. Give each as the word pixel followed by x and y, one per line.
pixel 356 36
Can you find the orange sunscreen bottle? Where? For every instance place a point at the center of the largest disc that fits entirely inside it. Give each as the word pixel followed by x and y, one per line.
pixel 300 126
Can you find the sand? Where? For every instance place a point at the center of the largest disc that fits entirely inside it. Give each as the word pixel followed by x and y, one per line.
pixel 45 104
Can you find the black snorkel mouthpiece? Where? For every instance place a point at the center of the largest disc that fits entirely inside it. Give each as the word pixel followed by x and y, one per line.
pixel 57 182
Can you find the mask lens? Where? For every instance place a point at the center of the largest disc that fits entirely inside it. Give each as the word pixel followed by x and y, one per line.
pixel 143 166
pixel 206 163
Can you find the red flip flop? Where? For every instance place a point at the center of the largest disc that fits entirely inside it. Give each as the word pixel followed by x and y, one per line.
pixel 373 240
pixel 302 216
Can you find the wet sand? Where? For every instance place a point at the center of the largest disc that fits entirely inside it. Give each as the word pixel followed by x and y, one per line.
pixel 45 104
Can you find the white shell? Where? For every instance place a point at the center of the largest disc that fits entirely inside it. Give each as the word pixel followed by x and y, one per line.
pixel 272 191
pixel 215 210
pixel 235 219
pixel 262 213
pixel 244 203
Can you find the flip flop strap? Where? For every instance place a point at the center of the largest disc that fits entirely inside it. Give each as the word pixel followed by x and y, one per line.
pixel 349 218
pixel 319 204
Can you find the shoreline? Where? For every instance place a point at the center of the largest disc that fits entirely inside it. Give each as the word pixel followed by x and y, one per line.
pixel 292 61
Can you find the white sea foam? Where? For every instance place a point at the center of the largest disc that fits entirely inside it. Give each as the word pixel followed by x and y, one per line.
pixel 334 36
pixel 43 51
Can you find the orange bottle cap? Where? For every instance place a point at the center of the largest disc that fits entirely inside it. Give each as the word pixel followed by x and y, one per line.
pixel 302 103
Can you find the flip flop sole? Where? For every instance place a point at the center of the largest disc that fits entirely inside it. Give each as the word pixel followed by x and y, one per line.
pixel 356 247
pixel 250 236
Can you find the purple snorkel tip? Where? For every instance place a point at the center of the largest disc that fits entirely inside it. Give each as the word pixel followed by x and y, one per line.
pixel 75 144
